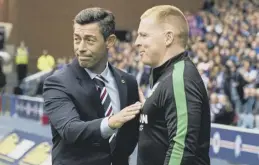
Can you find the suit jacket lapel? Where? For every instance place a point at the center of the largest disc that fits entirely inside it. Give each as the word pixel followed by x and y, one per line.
pixel 88 86
pixel 121 84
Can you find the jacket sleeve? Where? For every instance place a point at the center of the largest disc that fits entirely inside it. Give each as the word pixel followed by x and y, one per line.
pixel 183 116
pixel 64 117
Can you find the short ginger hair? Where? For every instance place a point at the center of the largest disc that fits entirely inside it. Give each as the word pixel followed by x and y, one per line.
pixel 172 17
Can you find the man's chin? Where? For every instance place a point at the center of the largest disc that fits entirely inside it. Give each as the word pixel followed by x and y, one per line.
pixel 85 64
pixel 145 61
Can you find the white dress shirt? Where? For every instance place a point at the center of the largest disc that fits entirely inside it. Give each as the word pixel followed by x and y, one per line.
pixel 113 92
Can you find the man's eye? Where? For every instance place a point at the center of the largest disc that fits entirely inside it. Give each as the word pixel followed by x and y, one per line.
pixel 90 40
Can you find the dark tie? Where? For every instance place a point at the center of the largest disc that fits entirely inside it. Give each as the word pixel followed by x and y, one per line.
pixel 104 96
pixel 106 102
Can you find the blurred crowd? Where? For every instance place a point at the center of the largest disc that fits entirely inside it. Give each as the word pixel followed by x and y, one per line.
pixel 225 46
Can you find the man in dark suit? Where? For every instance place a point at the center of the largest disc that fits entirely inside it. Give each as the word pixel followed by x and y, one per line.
pixel 84 99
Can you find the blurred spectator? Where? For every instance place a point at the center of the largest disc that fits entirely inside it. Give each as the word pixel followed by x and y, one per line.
pixel 21 61
pixel 256 108
pixel 142 75
pixel 5 56
pixel 2 76
pixel 203 75
pixel 221 110
pixel 214 106
pixel 17 90
pixel 256 105
pixel 246 120
pixel 39 90
pixel 61 62
pixel 208 4
pixel 2 38
pixel 46 62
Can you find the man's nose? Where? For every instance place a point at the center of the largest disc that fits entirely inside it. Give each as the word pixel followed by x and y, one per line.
pixel 137 42
pixel 82 46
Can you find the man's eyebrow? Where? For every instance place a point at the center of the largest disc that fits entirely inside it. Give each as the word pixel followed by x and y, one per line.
pixel 85 36
pixel 142 33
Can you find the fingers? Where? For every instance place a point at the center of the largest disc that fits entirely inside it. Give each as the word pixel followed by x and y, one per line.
pixel 133 107
pixel 125 115
pixel 128 118
pixel 129 113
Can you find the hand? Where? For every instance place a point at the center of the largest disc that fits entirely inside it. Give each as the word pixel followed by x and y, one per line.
pixel 125 115
pixel 141 96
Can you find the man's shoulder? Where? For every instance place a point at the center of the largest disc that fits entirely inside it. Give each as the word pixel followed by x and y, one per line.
pixel 61 75
pixel 191 72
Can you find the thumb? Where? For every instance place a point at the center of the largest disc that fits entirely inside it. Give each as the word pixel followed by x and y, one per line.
pixel 141 96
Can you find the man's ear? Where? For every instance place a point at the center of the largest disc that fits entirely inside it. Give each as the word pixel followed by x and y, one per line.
pixel 169 37
pixel 110 41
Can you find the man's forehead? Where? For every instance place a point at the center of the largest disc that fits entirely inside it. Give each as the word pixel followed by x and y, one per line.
pixel 148 25
pixel 93 27
pixel 143 26
pixel 147 21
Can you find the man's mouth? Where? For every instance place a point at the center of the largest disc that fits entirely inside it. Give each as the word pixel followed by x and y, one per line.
pixel 141 52
pixel 85 58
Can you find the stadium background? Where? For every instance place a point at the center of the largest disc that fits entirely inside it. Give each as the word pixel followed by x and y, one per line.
pixel 24 132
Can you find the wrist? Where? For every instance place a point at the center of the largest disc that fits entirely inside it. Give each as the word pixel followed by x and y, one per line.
pixel 110 123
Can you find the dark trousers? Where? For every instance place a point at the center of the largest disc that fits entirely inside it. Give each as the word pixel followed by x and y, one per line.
pixel 21 71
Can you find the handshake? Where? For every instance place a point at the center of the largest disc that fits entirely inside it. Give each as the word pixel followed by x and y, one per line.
pixel 126 114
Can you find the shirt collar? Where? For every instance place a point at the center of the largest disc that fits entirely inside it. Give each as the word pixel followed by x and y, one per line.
pixel 103 74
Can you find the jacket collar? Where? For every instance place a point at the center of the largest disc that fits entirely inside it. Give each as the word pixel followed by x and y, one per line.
pixel 86 81
pixel 157 72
